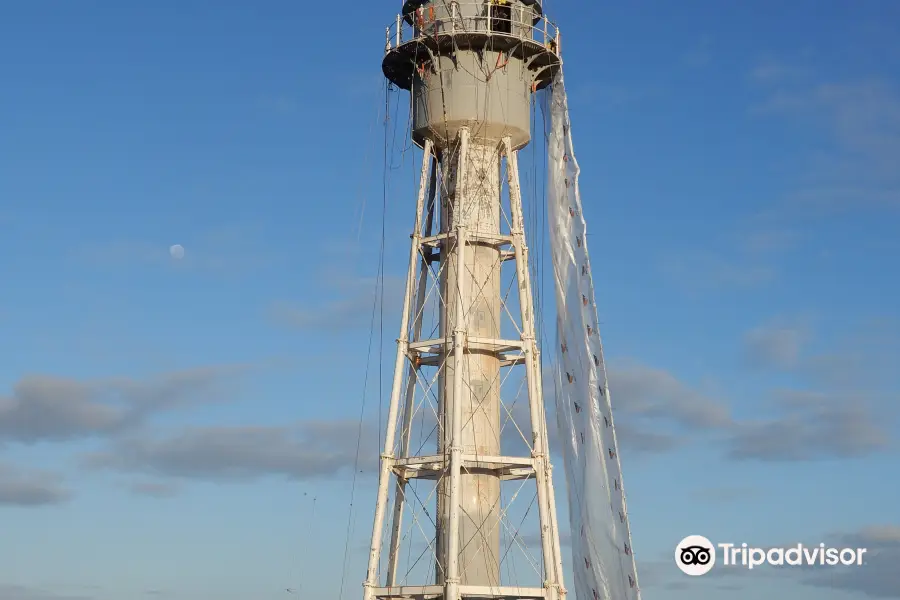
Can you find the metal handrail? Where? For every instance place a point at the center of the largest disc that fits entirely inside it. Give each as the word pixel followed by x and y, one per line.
pixel 426 24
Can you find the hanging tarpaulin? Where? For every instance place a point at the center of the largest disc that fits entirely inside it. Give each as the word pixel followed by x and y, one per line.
pixel 603 560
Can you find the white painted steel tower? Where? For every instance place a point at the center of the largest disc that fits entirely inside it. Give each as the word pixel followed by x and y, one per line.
pixel 472 68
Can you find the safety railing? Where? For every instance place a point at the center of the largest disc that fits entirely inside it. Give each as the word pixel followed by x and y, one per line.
pixel 490 17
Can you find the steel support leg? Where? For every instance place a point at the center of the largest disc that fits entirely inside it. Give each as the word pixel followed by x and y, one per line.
pixel 387 456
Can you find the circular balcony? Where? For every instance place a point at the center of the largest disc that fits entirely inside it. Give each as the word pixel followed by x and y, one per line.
pixel 514 29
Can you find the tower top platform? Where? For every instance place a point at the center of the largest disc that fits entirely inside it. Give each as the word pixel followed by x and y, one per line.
pixel 410 6
pixel 517 28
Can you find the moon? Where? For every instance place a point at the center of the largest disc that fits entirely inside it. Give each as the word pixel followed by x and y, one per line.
pixel 176 251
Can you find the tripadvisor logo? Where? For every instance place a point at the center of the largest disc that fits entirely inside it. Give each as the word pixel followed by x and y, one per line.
pixel 696 555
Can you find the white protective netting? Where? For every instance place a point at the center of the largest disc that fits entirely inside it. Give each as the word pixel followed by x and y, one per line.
pixel 602 558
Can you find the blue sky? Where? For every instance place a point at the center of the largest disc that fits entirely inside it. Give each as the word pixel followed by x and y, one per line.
pixel 741 185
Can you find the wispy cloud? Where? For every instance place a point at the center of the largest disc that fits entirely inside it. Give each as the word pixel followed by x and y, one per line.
pixel 776 347
pixel 704 271
pixel 30 488
pixel 644 392
pixel 18 592
pixel 772 71
pixel 879 576
pixel 307 450
pixel 155 489
pixel 726 494
pixel 349 307
pixel 700 55
pixel 655 411
pixel 863 357
pixel 280 104
pixel 743 259
pixel 49 408
pixel 769 241
pixel 812 426
pixel 856 167
pixel 841 407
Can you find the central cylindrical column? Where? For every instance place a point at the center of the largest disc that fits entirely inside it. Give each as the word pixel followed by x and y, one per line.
pixel 477 206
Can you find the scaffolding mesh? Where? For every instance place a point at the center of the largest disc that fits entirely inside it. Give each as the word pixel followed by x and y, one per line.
pixel 602 557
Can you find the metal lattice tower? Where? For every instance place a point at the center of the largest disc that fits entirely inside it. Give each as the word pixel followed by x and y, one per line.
pixel 472 69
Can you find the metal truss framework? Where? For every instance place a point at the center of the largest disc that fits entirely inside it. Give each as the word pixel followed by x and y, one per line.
pixel 413 394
